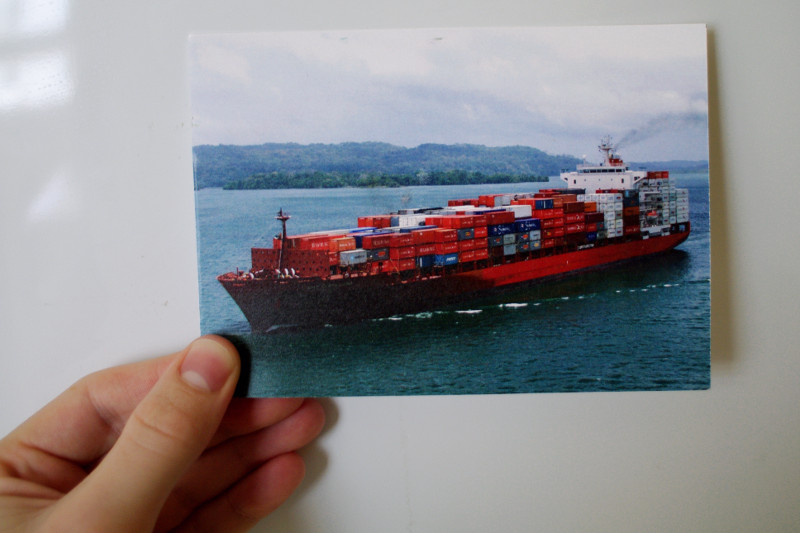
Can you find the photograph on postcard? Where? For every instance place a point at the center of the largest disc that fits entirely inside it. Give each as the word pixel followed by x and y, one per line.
pixel 455 211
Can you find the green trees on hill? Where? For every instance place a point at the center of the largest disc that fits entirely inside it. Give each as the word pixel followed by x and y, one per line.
pixel 368 164
pixel 325 180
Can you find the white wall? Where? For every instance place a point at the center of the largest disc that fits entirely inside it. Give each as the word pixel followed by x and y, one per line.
pixel 97 264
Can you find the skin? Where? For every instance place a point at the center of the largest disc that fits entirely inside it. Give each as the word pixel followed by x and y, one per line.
pixel 158 445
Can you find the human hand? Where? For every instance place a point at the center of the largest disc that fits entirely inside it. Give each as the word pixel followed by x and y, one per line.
pixel 156 446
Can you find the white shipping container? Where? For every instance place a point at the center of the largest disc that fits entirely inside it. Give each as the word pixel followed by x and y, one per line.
pixel 408 221
pixel 509 238
pixel 521 211
pixel 353 257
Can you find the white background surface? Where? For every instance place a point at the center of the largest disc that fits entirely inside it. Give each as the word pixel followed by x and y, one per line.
pixel 97 262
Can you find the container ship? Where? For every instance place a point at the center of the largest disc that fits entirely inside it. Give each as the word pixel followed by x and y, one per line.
pixel 421 259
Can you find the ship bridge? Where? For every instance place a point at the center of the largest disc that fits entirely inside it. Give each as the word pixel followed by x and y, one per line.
pixel 612 173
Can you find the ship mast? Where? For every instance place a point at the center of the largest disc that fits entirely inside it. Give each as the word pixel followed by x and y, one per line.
pixel 608 150
pixel 283 217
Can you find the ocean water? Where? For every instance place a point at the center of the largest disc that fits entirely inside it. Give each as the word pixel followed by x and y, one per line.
pixel 644 325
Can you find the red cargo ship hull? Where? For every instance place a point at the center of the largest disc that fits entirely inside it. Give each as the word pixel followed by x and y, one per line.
pixel 311 301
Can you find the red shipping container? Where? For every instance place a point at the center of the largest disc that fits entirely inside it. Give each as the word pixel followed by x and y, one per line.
pixel 630 211
pixel 575 228
pixel 467 256
pixel 547 213
pixel 573 207
pixel 548 222
pixel 400 265
pixel 481 232
pixel 401 239
pixel 594 217
pixel 631 220
pixel 456 221
pixel 591 227
pixel 368 242
pixel 482 243
pixel 423 236
pixel 463 201
pixel 479 220
pixel 402 252
pixel 426 249
pixel 559 231
pixel 589 207
pixel 377 221
pixel 481 253
pixel 407 264
pixel 630 230
pixel 342 244
pixel 315 242
pixel 500 217
pixel 468 244
pixel 449 247
pixel 573 217
pixel 548 243
pixel 445 235
pixel 548 233
pixel 558 222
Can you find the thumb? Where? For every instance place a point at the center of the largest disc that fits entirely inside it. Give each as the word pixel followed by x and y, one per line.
pixel 164 435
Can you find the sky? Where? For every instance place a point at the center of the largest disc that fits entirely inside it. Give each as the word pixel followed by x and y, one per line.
pixel 556 89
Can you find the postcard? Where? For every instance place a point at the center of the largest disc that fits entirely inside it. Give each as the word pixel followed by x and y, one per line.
pixel 455 211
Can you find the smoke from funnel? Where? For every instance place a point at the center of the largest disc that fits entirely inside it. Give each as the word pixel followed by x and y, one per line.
pixel 661 124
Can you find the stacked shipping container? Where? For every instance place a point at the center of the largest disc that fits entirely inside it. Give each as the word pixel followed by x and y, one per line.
pixel 496 227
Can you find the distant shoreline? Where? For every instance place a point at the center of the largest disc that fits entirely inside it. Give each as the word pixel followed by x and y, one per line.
pixel 370 164
pixel 333 180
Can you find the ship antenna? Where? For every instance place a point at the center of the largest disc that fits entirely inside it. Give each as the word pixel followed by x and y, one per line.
pixel 283 217
pixel 607 148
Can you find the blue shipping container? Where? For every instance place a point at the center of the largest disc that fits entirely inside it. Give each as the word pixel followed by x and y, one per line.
pixel 526 224
pixel 425 261
pixel 416 228
pixel 501 229
pixel 496 240
pixel 445 259
pixel 378 254
pixel 465 234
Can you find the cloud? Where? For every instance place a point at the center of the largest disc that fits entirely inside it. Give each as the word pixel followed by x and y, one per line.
pixel 553 88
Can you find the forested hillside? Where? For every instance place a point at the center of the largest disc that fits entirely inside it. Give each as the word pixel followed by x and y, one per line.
pixel 369 164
